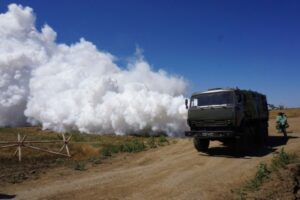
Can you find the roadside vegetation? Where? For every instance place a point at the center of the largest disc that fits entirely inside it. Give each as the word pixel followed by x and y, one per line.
pixel 274 179
pixel 86 150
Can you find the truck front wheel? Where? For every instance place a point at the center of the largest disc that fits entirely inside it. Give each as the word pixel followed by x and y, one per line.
pixel 201 144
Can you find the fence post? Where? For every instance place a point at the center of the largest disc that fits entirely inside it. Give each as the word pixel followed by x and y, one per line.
pixel 19 147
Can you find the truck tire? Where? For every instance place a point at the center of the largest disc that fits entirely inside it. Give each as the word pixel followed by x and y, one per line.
pixel 260 132
pixel 244 144
pixel 265 132
pixel 201 144
pixel 228 142
pixel 241 145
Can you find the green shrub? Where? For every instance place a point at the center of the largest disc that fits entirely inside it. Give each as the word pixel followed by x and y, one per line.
pixel 17 178
pixel 105 152
pixel 279 161
pixel 151 142
pixel 114 148
pixel 96 160
pixel 134 146
pixel 60 160
pixel 162 140
pixel 79 165
pixel 78 137
pixel 261 175
pixel 282 159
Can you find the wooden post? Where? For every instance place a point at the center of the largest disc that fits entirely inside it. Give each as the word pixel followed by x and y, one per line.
pixel 66 144
pixel 19 147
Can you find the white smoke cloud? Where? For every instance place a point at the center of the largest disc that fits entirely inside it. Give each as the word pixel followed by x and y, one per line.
pixel 78 87
pixel 22 48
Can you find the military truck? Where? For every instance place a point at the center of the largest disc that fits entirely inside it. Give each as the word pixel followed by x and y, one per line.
pixel 236 117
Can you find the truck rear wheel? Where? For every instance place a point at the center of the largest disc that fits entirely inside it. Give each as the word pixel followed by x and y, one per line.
pixel 259 134
pixel 201 144
pixel 244 144
pixel 266 132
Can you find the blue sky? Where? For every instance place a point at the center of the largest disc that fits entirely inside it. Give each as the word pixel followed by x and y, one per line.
pixel 249 44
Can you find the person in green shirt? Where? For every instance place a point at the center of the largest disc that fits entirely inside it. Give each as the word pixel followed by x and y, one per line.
pixel 281 123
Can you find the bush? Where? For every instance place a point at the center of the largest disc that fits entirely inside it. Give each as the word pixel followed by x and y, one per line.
pixel 17 178
pixel 162 140
pixel 79 165
pixel 109 150
pixel 134 146
pixel 151 142
pixel 282 159
pixel 78 137
pixel 261 175
pixel 96 160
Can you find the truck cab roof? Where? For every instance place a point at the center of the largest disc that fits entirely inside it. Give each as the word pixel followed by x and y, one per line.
pixel 213 90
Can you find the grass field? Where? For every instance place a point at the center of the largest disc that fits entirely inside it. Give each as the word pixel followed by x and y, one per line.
pixel 86 150
pixel 291 113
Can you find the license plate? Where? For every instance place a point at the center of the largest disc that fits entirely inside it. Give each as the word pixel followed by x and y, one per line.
pixel 208 134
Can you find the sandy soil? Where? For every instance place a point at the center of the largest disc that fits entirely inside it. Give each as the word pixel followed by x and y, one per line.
pixel 176 171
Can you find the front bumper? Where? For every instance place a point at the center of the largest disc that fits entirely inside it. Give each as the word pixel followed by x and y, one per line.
pixel 210 134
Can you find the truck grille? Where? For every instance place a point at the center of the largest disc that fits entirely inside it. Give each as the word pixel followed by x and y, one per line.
pixel 209 123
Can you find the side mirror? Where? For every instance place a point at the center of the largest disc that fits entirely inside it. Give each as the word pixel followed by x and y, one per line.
pixel 186 103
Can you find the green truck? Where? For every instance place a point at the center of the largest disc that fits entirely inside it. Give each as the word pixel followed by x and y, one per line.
pixel 236 117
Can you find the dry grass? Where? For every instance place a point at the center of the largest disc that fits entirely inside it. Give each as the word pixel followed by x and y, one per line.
pixel 82 146
pixel 86 149
pixel 291 113
pixel 83 151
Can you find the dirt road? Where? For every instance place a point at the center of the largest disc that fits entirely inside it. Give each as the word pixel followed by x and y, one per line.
pixel 175 171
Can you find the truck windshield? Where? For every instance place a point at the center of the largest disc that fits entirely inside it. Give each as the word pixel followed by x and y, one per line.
pixel 217 98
